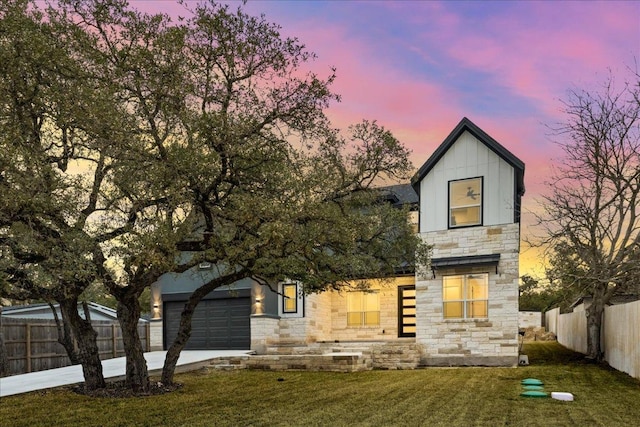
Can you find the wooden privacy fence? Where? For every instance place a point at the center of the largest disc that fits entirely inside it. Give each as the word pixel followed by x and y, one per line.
pixel 622 337
pixel 620 334
pixel 32 344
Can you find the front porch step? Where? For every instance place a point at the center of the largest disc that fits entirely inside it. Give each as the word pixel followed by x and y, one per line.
pixel 401 354
pixel 397 356
pixel 385 354
pixel 337 357
pixel 276 350
pixel 228 363
pixel 332 362
pixel 363 350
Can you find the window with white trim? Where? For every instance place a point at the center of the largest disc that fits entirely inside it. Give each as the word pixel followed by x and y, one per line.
pixel 363 308
pixel 465 202
pixel 465 296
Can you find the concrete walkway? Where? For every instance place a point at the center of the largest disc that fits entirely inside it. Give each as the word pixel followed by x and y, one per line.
pixel 111 368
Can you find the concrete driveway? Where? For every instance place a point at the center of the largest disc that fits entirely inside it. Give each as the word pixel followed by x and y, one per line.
pixel 111 368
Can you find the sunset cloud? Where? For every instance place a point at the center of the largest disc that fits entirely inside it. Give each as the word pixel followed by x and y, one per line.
pixel 419 67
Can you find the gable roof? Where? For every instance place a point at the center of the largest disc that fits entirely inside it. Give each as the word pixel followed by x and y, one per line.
pixel 467 125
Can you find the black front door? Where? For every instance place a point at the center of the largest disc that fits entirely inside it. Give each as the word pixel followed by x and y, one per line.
pixel 407 311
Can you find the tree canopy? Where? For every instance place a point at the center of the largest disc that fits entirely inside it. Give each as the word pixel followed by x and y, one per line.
pixel 123 134
pixel 534 296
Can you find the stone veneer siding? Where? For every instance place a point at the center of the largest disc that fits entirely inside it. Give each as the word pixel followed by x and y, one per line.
pixel 325 320
pixel 458 342
pixel 263 330
pixel 274 334
pixel 318 315
pixel 155 335
pixel 388 328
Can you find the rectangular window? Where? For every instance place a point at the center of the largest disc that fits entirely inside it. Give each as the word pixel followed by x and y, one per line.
pixel 465 202
pixel 465 296
pixel 363 308
pixel 290 298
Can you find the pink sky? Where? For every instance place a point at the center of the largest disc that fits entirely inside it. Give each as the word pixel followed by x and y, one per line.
pixel 418 67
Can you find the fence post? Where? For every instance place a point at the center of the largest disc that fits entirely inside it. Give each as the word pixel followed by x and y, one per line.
pixel 114 342
pixel 28 346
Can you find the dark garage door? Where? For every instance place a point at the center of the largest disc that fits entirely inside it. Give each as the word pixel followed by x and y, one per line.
pixel 218 324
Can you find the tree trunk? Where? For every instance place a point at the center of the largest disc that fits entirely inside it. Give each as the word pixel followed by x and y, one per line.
pixel 65 337
pixel 88 352
pixel 594 325
pixel 173 353
pixel 137 375
pixel 184 331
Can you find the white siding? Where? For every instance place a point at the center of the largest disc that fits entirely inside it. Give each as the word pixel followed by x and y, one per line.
pixel 468 158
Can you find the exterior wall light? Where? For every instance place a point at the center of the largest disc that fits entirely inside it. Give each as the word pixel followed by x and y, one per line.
pixel 258 305
pixel 156 310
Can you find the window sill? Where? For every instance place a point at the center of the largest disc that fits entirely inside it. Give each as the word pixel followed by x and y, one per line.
pixel 457 227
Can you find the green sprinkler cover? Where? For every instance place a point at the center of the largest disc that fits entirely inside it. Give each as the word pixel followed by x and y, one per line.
pixel 531 381
pixel 534 393
pixel 533 387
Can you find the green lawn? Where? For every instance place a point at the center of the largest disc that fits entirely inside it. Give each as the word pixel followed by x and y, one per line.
pixel 428 397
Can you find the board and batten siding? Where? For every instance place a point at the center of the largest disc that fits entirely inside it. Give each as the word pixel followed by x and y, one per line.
pixel 468 158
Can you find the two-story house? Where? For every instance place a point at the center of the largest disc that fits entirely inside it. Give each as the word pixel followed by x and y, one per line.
pixel 460 310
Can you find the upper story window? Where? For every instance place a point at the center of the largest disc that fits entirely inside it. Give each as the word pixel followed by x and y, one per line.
pixel 465 296
pixel 465 202
pixel 363 308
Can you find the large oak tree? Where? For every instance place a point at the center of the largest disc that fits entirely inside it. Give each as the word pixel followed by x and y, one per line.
pixel 210 129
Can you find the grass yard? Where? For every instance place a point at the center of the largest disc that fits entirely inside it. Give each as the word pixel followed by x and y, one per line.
pixel 425 397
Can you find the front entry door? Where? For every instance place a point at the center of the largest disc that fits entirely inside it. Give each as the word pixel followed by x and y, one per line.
pixel 407 311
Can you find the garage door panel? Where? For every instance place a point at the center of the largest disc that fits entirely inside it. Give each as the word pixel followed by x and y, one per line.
pixel 198 322
pixel 218 342
pixel 219 324
pixel 217 313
